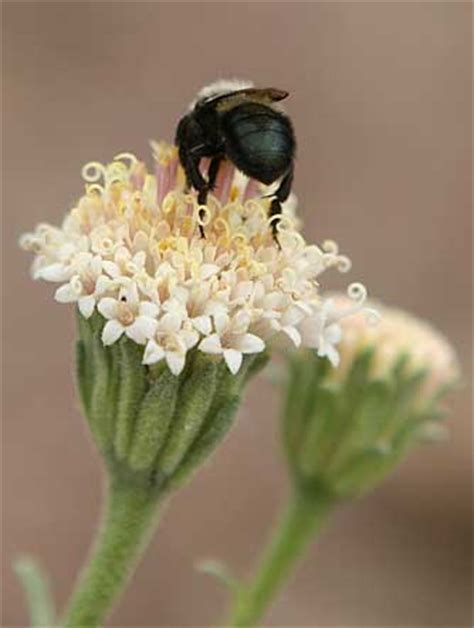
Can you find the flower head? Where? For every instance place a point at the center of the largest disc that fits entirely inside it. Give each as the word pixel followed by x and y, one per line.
pixel 132 249
pixel 346 427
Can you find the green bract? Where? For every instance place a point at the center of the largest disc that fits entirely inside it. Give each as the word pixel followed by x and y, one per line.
pixel 153 427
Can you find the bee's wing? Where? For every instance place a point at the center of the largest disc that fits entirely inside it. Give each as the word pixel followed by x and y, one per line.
pixel 267 94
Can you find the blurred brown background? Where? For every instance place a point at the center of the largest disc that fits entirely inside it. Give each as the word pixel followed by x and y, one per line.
pixel 381 105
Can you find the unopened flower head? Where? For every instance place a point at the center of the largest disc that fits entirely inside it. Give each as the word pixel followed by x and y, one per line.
pixel 346 428
pixel 132 249
pixel 397 335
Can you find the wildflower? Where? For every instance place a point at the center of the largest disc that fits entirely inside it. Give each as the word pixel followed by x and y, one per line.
pixel 171 342
pixel 127 314
pixel 87 285
pixel 178 306
pixel 232 340
pixel 346 427
pixel 172 324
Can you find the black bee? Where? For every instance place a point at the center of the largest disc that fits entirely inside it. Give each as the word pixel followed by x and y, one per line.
pixel 241 123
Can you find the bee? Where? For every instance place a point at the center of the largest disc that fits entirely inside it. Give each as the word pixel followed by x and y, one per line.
pixel 236 121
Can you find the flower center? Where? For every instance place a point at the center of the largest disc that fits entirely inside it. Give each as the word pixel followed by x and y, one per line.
pixel 125 313
pixel 88 284
pixel 169 342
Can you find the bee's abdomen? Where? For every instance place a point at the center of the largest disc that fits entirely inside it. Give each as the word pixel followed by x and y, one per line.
pixel 259 140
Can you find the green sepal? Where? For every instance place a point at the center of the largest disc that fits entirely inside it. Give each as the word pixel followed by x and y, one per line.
pixel 306 370
pixel 113 388
pixel 220 415
pixel 206 442
pixel 350 399
pixel 99 408
pixel 92 371
pixel 84 373
pixel 401 406
pixel 153 421
pixel 317 441
pixel 195 399
pixel 82 376
pixel 133 386
pixel 360 473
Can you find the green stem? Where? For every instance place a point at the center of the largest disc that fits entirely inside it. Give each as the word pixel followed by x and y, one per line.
pixel 297 528
pixel 127 526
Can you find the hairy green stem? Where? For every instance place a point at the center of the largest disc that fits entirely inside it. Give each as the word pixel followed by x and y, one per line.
pixel 297 528
pixel 127 526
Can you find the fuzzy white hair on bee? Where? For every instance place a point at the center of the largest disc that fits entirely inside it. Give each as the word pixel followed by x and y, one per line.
pixel 220 87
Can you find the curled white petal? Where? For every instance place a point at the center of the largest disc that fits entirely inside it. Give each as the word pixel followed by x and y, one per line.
pixel 190 338
pixel 112 269
pixel 331 353
pixel 293 334
pixel 203 324
pixel 333 334
pixel 103 284
pixel 86 305
pixel 53 272
pixel 65 294
pixel 169 322
pixel 153 353
pixel 112 332
pixel 107 307
pixel 175 361
pixel 211 344
pixel 221 322
pixel 233 359
pixel 249 343
pixel 129 293
pixel 142 329
pixel 147 308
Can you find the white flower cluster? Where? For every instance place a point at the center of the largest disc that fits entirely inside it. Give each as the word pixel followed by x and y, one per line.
pixel 132 248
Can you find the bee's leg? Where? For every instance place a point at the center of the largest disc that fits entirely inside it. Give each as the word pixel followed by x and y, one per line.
pixel 280 196
pixel 275 210
pixel 214 170
pixel 194 176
